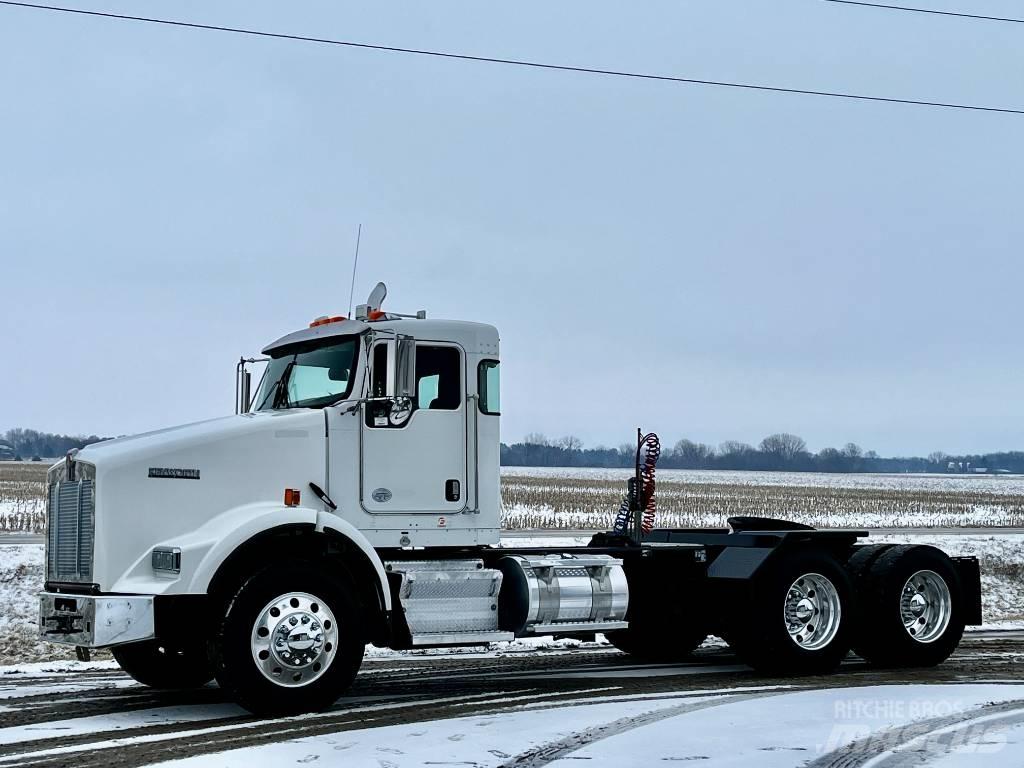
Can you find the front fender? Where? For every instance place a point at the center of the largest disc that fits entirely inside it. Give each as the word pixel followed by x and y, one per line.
pixel 325 520
pixel 203 550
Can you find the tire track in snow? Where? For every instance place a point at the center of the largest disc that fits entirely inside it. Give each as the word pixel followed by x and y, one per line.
pixel 911 744
pixel 552 751
pixel 121 749
pixel 395 690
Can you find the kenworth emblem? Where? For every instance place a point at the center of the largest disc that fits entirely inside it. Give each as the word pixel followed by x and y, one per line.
pixel 381 495
pixel 174 473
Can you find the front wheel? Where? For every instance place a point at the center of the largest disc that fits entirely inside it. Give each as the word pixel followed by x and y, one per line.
pixel 796 618
pixel 290 641
pixel 166 665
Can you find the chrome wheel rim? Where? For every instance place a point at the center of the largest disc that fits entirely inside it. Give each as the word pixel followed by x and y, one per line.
pixel 812 611
pixel 294 639
pixel 926 606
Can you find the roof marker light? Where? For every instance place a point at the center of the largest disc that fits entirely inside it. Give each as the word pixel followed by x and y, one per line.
pixel 324 320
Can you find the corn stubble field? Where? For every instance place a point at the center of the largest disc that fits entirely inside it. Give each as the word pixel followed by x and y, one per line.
pixel 23 497
pixel 587 499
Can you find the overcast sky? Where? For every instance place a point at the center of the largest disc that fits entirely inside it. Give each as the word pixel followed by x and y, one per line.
pixel 704 262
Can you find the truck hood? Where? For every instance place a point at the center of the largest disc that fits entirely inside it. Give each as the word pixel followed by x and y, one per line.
pixel 157 488
pixel 133 448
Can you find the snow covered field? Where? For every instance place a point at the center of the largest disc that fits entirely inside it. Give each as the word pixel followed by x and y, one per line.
pixel 574 498
pixel 22 496
pixel 587 499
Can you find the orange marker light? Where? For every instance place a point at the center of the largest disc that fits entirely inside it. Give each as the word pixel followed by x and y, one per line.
pixel 325 320
pixel 375 314
pixel 291 497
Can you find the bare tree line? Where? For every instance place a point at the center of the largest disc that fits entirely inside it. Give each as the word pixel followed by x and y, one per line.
pixel 781 451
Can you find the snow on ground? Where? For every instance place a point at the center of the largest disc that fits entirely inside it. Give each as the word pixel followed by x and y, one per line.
pixel 120 721
pixel 1001 484
pixel 488 740
pixel 768 728
pixel 813 723
pixel 21 579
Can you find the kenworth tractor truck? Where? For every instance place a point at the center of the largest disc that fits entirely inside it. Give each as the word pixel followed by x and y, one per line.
pixel 355 499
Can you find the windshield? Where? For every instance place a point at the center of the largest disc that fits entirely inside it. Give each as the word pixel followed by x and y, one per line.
pixel 309 375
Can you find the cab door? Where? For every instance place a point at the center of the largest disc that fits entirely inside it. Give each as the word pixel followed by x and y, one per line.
pixel 418 463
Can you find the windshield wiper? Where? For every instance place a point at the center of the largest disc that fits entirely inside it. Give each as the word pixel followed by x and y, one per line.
pixel 281 387
pixel 281 399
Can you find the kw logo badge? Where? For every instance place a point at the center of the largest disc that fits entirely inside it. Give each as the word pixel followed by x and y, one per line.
pixel 173 473
pixel 381 495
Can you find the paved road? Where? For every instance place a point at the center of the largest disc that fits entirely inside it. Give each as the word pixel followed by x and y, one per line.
pixel 100 718
pixel 21 538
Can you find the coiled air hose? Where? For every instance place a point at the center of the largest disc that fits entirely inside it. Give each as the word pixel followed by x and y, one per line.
pixel 650 445
pixel 643 498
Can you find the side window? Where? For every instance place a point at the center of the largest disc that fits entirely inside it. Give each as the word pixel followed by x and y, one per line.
pixel 438 378
pixel 489 385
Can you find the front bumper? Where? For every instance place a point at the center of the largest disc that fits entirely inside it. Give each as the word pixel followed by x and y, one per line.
pixel 96 621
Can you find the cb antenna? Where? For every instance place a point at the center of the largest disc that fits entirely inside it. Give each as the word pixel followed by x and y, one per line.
pixel 355 263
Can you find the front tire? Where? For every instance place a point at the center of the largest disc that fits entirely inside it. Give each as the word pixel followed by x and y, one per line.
pixel 290 642
pixel 796 618
pixel 164 665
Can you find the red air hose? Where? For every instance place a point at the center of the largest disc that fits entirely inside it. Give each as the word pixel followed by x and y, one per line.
pixel 650 447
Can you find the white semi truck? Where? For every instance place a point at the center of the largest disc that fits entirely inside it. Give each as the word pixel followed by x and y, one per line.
pixel 355 499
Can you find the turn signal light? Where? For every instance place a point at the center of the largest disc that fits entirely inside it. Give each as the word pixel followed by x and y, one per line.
pixel 325 320
pixel 291 497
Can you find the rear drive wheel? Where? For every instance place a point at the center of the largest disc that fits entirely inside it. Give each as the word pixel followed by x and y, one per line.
pixel 164 665
pixel 911 608
pixel 290 641
pixel 797 620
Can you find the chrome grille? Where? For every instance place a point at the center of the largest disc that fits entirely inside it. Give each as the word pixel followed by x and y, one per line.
pixel 71 524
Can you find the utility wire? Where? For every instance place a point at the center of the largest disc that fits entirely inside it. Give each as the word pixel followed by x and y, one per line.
pixel 931 11
pixel 518 62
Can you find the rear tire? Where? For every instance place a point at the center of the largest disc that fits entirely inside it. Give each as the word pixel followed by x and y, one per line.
pixel 911 608
pixel 796 619
pixel 291 641
pixel 165 666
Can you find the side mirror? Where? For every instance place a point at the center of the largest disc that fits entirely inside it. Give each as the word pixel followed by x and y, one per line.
pixel 243 383
pixel 402 368
pixel 245 401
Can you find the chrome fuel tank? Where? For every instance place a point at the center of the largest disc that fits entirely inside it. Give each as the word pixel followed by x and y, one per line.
pixel 562 594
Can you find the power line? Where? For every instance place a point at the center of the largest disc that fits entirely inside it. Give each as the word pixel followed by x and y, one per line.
pixel 516 62
pixel 932 11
